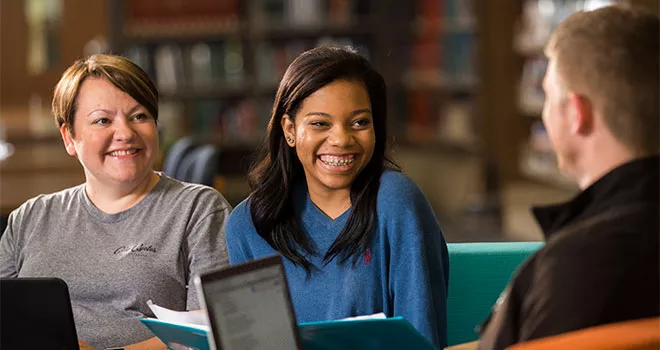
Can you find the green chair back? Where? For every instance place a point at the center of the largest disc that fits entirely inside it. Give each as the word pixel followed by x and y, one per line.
pixel 478 273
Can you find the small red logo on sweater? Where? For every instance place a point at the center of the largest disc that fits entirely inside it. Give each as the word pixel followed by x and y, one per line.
pixel 367 257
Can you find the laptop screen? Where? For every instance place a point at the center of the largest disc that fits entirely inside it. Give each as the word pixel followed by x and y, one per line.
pixel 249 306
pixel 35 313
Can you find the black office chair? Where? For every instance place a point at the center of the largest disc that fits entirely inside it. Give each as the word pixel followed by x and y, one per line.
pixel 199 165
pixel 176 155
pixel 205 165
pixel 183 171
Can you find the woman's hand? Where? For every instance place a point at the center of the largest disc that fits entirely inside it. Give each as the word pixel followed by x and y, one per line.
pixel 149 344
pixel 84 346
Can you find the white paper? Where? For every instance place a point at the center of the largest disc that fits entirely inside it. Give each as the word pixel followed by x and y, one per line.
pixel 379 315
pixel 178 317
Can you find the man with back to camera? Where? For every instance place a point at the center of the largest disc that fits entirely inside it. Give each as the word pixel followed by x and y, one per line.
pixel 600 262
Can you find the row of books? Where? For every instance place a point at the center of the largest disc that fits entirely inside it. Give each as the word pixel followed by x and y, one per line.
pixel 200 66
pixel 290 13
pixel 433 16
pixel 220 65
pixel 272 58
pixel 439 55
pixel 307 13
pixel 540 17
pixel 147 16
pixel 180 17
pixel 146 10
pixel 449 61
pixel 430 119
pixel 199 80
pixel 459 58
pixel 172 17
pixel 441 58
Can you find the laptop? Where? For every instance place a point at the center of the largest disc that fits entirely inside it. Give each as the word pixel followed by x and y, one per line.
pixel 35 313
pixel 249 306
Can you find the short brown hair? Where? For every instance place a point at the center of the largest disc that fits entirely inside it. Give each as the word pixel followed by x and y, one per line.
pixel 610 55
pixel 117 70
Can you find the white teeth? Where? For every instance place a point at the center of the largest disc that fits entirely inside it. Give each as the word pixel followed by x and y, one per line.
pixel 336 160
pixel 123 153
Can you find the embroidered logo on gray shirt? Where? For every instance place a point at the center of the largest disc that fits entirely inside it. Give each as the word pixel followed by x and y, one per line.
pixel 137 249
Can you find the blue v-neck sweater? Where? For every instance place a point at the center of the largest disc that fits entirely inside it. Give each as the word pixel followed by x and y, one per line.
pixel 403 273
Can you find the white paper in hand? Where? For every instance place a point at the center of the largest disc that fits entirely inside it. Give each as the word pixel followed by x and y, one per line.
pixel 178 317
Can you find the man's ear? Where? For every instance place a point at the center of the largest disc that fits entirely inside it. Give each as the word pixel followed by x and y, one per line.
pixel 289 129
pixel 581 114
pixel 68 140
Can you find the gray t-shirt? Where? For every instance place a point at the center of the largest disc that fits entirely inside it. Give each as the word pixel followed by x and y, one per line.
pixel 114 263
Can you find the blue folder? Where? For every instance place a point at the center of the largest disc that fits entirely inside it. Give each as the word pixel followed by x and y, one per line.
pixel 387 334
pixel 390 333
pixel 176 336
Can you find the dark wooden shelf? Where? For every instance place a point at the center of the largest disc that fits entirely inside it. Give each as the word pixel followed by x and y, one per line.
pixel 436 82
pixel 284 32
pixel 156 32
pixel 245 144
pixel 24 138
pixel 220 91
pixel 444 26
pixel 226 91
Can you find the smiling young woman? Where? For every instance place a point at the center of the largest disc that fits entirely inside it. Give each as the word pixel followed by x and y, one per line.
pixel 334 139
pixel 358 236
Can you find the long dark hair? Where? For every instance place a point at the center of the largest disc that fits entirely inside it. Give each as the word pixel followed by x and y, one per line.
pixel 277 166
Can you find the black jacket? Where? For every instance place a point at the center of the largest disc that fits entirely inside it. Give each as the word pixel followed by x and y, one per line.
pixel 600 263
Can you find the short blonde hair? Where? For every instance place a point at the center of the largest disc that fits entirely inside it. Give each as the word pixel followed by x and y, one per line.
pixel 611 56
pixel 117 70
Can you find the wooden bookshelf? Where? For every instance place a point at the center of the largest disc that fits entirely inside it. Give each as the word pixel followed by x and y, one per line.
pixel 266 34
pixel 164 31
pixel 534 178
pixel 447 64
pixel 528 47
pixel 364 29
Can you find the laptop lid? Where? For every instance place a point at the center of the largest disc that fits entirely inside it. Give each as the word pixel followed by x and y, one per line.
pixel 249 306
pixel 35 313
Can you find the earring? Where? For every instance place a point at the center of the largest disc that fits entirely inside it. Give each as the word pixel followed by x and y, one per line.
pixel 289 140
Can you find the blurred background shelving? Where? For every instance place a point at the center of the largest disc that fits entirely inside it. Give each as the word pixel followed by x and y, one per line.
pixel 217 63
pixel 538 172
pixel 218 81
pixel 463 76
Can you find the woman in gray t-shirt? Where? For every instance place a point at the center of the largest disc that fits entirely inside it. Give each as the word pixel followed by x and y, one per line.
pixel 128 234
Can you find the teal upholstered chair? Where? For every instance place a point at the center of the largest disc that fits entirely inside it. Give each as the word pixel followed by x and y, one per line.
pixel 478 273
